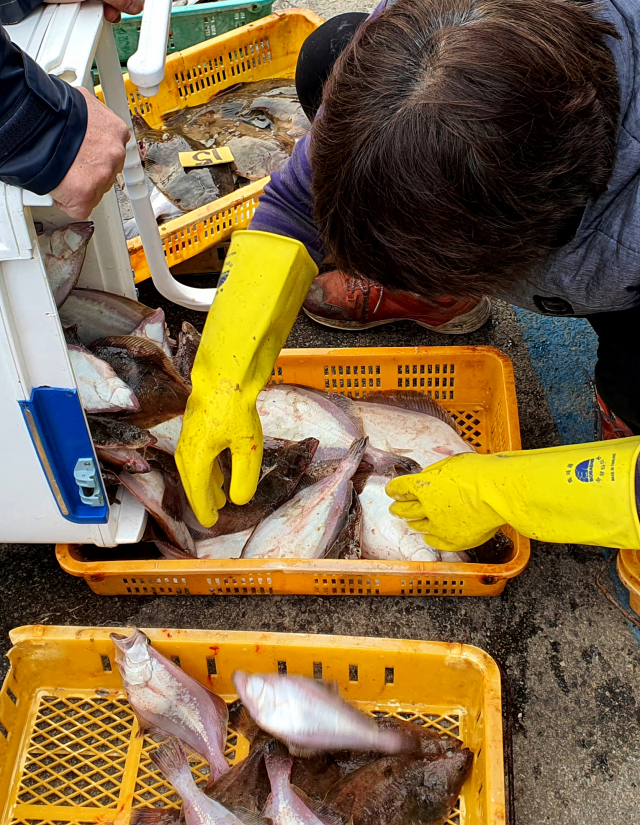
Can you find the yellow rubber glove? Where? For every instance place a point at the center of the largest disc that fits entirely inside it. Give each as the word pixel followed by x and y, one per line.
pixel 582 494
pixel 261 289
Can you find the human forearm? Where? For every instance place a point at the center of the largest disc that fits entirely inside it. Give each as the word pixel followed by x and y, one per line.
pixel 42 122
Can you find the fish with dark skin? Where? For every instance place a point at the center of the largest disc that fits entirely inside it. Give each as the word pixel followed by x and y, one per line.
pixel 267 110
pixel 283 464
pixel 393 790
pixel 188 343
pixel 246 784
pixel 160 154
pixel 144 367
pixel 113 433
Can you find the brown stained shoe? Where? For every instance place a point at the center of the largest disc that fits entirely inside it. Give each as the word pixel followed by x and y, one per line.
pixel 344 302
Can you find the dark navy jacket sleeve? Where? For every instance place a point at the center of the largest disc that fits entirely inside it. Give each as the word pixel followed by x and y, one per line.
pixel 286 208
pixel 43 121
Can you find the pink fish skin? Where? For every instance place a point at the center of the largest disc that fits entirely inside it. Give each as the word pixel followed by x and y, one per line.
pixel 166 698
pixel 284 806
pixel 124 458
pixel 198 809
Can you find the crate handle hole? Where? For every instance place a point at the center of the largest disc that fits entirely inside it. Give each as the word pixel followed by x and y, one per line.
pixel 282 668
pixel 12 696
pixel 317 670
pixel 106 664
pixel 353 673
pixel 176 661
pixel 389 675
pixel 212 667
pixel 4 731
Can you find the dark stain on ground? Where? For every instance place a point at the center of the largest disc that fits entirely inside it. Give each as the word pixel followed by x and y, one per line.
pixel 557 667
pixel 616 700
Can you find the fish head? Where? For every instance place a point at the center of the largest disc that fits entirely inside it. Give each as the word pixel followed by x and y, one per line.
pixel 133 657
pixel 444 777
pixel 256 690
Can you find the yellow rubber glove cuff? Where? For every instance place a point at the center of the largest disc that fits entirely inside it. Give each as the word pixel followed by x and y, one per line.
pixel 581 494
pixel 261 289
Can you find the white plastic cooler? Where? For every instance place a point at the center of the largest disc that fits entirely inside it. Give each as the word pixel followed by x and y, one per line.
pixel 50 484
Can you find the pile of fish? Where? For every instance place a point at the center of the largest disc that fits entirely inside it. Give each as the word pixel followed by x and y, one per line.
pixel 313 759
pixel 259 122
pixel 327 458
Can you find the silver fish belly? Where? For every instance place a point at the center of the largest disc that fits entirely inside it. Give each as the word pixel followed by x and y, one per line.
pixel 309 717
pixel 165 697
pixel 385 536
pixel 309 523
pixel 415 435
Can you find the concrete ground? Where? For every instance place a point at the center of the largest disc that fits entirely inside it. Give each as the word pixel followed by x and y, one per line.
pixel 571 660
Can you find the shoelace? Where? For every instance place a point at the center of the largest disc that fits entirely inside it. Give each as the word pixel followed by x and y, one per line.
pixel 364 284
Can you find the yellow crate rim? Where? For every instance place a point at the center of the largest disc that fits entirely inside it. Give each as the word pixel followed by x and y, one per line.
pixel 483 400
pixel 265 48
pixel 71 737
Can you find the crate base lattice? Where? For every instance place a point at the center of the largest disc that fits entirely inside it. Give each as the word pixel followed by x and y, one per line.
pixel 86 763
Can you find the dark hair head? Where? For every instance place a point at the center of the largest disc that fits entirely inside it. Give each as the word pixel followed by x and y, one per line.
pixel 459 137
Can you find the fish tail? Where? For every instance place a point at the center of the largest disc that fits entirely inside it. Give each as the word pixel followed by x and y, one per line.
pixel 351 461
pixel 172 761
pixel 279 763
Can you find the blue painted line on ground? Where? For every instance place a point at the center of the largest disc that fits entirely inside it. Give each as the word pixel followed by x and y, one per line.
pixel 563 351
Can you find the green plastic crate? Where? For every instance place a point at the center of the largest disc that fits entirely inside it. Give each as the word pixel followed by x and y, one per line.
pixel 192 24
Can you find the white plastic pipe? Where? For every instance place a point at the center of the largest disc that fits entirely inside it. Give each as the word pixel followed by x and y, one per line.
pixel 116 99
pixel 146 66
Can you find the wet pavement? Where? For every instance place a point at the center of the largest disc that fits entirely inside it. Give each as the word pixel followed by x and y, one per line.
pixel 571 660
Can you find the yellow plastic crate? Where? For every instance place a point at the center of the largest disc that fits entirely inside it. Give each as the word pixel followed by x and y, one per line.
pixel 68 746
pixel 264 49
pixel 475 384
pixel 628 565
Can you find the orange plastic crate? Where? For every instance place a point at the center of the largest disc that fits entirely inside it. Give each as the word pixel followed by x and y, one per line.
pixel 69 750
pixel 266 48
pixel 628 565
pixel 475 384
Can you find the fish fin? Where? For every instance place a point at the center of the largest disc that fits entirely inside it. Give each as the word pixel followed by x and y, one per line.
pixel 305 481
pixel 343 539
pixel 223 712
pixel 154 816
pixel 267 811
pixel 250 817
pixel 172 503
pixel 240 719
pixel 361 476
pixel 171 759
pixel 301 753
pixel 71 336
pixel 331 686
pixel 324 812
pixel 414 402
pixel 146 349
pixel 344 404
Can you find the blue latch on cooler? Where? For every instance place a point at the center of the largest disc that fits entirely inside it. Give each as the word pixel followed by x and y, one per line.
pixel 86 476
pixel 57 426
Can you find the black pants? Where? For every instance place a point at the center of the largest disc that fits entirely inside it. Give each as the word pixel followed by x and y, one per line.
pixel 318 54
pixel 617 372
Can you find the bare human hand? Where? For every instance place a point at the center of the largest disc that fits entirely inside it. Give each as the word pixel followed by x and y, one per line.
pixel 114 8
pixel 100 158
